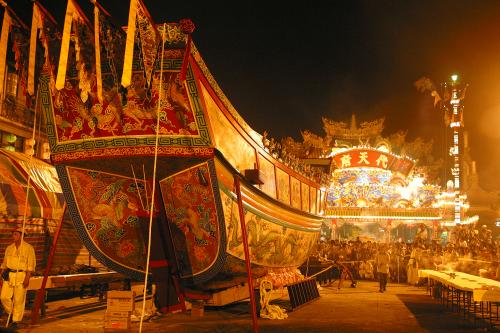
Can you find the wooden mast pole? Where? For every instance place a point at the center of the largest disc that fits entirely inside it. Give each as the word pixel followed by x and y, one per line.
pixel 247 254
pixel 35 313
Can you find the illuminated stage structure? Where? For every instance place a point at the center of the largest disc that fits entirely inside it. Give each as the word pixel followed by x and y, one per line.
pixel 373 191
pixel 377 191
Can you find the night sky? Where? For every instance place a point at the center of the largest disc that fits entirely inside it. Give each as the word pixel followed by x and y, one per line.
pixel 286 66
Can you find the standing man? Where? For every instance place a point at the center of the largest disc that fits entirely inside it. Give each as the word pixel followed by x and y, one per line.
pixel 18 264
pixel 383 261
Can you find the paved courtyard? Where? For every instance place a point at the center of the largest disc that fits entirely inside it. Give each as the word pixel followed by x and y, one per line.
pixel 363 309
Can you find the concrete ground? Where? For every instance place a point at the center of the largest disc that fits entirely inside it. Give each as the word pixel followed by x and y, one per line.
pixel 401 308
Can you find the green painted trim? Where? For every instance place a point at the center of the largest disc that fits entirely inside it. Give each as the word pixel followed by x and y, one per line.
pixel 265 216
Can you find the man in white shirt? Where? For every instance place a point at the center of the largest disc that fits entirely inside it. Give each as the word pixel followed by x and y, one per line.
pixel 18 264
pixel 383 261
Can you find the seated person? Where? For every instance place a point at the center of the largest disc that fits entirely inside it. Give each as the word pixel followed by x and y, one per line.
pixel 366 270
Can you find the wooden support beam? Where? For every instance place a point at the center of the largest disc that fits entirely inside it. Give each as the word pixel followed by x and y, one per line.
pixel 247 254
pixel 40 295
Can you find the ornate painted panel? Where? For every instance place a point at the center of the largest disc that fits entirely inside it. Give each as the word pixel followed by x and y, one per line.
pixel 321 201
pixel 313 201
pixel 124 119
pixel 295 183
pixel 305 197
pixel 109 215
pixel 283 186
pixel 272 242
pixel 77 119
pixel 267 172
pixel 236 150
pixel 192 210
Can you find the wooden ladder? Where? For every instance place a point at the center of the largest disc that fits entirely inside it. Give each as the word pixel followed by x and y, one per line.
pixel 302 292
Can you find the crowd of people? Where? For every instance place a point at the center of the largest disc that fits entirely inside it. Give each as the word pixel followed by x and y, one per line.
pixel 469 248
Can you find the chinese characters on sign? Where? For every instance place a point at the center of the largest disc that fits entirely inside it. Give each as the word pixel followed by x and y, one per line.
pixel 374 158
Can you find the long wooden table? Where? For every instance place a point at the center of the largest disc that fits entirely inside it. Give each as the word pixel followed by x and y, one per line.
pixel 483 289
pixel 71 280
pixel 470 294
pixel 98 280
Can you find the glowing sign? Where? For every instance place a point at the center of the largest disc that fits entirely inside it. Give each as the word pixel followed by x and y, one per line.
pixel 372 158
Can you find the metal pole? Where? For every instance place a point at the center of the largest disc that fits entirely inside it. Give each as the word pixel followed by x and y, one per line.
pixel 35 313
pixel 247 254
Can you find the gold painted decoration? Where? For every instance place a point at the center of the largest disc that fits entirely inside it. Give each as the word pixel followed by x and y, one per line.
pixel 295 184
pixel 283 186
pixel 272 242
pixel 344 131
pixel 238 151
pixel 173 33
pixel 305 197
pixel 313 200
pixel 268 176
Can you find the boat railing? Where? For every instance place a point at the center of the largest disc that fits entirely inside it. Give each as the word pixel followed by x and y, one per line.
pixel 247 184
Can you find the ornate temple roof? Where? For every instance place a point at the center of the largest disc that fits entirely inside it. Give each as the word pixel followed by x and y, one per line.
pixel 341 130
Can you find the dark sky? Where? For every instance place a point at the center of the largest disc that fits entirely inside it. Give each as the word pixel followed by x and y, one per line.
pixel 285 66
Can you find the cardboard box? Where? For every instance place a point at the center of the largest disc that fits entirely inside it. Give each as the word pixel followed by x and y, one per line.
pixel 120 301
pixel 118 314
pixel 117 323
pixel 120 294
pixel 117 319
pixel 197 309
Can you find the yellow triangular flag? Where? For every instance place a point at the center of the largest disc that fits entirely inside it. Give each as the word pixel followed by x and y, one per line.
pixel 4 39
pixel 36 25
pixel 129 46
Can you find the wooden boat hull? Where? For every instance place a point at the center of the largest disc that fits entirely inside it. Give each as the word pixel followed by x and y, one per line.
pixel 106 151
pixel 203 222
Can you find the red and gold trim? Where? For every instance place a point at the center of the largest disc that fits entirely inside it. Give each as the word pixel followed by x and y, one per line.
pixel 132 152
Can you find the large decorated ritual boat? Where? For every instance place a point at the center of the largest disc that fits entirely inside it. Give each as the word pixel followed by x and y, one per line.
pixel 137 115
